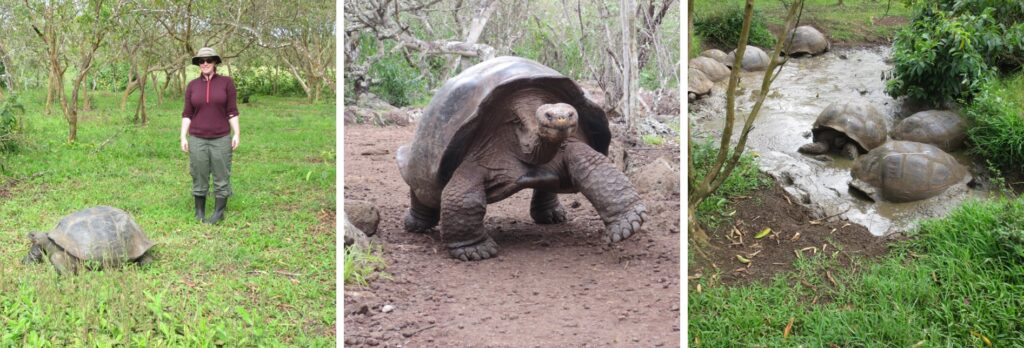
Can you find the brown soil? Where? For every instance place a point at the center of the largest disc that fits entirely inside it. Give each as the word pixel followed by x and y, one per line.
pixel 772 208
pixel 550 286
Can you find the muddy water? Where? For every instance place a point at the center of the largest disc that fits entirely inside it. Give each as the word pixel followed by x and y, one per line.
pixel 802 90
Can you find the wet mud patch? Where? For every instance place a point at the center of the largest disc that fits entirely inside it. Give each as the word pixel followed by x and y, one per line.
pixel 795 233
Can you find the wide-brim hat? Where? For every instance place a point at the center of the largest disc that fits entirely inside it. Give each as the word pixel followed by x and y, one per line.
pixel 205 52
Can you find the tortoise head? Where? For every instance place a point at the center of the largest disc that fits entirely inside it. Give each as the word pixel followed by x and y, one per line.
pixel 543 132
pixel 39 243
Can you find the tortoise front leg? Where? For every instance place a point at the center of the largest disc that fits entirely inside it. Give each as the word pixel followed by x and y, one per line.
pixel 545 208
pixel 607 189
pixel 63 263
pixel 463 205
pixel 420 218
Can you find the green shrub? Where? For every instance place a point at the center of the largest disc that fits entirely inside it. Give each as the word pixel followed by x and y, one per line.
pixel 951 48
pixel 652 139
pixel 723 29
pixel 265 80
pixel 997 123
pixel 10 124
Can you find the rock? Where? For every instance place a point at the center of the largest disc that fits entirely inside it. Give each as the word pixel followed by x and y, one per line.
pixel 716 54
pixel 387 309
pixel 660 176
pixel 354 236
pixel 661 102
pixel 713 69
pixel 358 115
pixel 653 126
pixel 363 215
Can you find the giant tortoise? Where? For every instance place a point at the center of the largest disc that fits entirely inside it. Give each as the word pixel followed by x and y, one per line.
pixel 754 59
pixel 697 84
pixel 91 238
pixel 501 126
pixel 904 171
pixel 941 128
pixel 711 68
pixel 805 40
pixel 849 127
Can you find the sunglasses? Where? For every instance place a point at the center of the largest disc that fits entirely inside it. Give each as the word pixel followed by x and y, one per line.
pixel 207 61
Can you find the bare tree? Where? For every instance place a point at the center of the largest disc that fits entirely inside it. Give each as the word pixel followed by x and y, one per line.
pixel 724 164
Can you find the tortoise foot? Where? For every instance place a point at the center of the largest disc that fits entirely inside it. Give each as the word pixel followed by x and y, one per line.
pixel 814 148
pixel 475 251
pixel 554 215
pixel 626 224
pixel 418 224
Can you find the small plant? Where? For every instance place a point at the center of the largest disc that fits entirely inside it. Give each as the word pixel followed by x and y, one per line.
pixel 653 140
pixel 723 29
pixel 10 123
pixel 361 264
pixel 997 124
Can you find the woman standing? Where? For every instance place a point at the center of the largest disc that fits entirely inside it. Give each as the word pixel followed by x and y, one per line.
pixel 209 133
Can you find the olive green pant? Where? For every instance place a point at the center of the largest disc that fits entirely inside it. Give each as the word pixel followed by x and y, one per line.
pixel 206 156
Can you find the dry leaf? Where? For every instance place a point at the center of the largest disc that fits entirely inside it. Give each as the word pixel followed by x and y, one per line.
pixel 765 232
pixel 789 328
pixel 742 259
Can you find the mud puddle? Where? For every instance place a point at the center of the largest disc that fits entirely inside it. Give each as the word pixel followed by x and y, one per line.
pixel 802 90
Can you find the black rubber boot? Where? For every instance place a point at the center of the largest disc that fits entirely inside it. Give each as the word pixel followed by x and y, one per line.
pixel 200 208
pixel 218 211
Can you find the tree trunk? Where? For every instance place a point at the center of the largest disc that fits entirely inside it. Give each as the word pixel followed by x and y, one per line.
pixel 629 64
pixel 140 110
pixel 689 26
pixel 694 229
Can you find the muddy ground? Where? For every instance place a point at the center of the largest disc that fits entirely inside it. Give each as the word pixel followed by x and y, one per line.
pixel 550 286
pixel 795 233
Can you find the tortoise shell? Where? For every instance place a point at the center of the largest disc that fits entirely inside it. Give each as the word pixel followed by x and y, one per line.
pixel 105 234
pixel 860 122
pixel 711 68
pixel 716 54
pixel 941 128
pixel 449 123
pixel 904 171
pixel 806 40
pixel 697 83
pixel 754 59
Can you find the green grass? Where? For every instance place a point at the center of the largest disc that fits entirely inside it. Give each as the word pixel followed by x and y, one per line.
pixel 956 283
pixel 265 276
pixel 997 124
pixel 361 264
pixel 851 23
pixel 652 139
pixel 745 178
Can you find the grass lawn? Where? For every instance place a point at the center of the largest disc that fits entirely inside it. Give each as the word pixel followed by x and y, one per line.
pixel 856 22
pixel 265 276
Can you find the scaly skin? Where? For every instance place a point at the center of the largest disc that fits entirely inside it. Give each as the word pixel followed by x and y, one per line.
pixel 420 218
pixel 463 205
pixel 607 189
pixel 545 208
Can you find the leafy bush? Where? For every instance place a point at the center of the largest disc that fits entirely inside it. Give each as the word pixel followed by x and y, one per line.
pixel 10 125
pixel 265 80
pixel 997 123
pixel 951 48
pixel 723 29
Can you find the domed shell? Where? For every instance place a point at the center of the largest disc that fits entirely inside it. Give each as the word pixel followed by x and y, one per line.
pixel 716 54
pixel 449 123
pixel 754 59
pixel 860 121
pixel 104 234
pixel 806 40
pixel 698 83
pixel 941 128
pixel 904 171
pixel 711 68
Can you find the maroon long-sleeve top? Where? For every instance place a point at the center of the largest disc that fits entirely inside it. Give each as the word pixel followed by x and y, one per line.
pixel 210 104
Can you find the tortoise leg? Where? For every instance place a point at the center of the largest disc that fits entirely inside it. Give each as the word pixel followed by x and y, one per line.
pixel 420 218
pixel 607 189
pixel 63 263
pixel 850 150
pixel 145 259
pixel 815 148
pixel 463 205
pixel 545 208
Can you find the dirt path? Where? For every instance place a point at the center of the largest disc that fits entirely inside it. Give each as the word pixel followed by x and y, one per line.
pixel 550 286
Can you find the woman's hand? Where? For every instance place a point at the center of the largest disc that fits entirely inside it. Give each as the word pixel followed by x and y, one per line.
pixel 184 144
pixel 234 142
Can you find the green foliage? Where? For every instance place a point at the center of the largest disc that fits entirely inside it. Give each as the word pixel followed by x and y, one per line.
pixel 745 178
pixel 265 80
pixel 10 123
pixel 652 139
pixel 997 124
pixel 256 279
pixel 948 54
pixel 723 28
pixel 112 77
pixel 361 264
pixel 959 279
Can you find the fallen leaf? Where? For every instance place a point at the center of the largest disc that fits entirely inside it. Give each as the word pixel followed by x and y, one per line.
pixel 742 259
pixel 982 337
pixel 765 232
pixel 789 328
